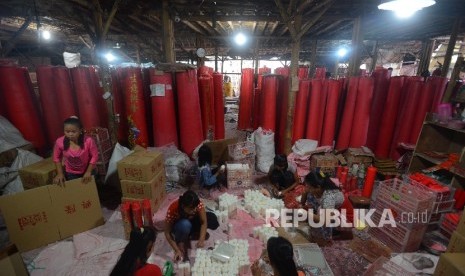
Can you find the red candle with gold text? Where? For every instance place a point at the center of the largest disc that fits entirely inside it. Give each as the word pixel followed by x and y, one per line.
pixel 147 212
pixel 126 217
pixel 136 214
pixel 369 181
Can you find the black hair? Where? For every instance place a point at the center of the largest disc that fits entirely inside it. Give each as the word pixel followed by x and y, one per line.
pixel 77 123
pixel 281 161
pixel 189 199
pixel 281 255
pixel 205 156
pixel 282 179
pixel 318 179
pixel 135 254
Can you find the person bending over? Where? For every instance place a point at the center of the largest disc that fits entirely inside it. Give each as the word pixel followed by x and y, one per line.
pixel 208 177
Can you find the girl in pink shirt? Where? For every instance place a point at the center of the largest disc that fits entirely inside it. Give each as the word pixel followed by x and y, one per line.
pixel 77 152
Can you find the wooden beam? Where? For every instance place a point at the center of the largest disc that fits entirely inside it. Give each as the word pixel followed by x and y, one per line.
pixel 313 58
pixel 207 27
pixel 231 25
pixel 254 26
pixel 330 26
pixel 425 56
pixel 453 79
pixel 222 29
pixel 451 47
pixel 374 56
pixel 264 28
pixel 12 41
pixel 273 28
pixel 304 5
pixel 190 25
pixel 327 4
pixel 110 17
pixel 357 40
pixel 168 34
pixel 286 18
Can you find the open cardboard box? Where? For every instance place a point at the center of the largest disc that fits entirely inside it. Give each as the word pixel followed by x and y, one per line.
pixel 39 216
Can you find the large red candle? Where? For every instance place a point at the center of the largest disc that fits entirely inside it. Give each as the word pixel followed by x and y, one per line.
pixel 369 182
pixel 343 178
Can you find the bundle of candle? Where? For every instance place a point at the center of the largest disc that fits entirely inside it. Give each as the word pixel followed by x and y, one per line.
pixel 263 233
pixel 257 204
pixel 228 204
pixel 184 269
pixel 237 263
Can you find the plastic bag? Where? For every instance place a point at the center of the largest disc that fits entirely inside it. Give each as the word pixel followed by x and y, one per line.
pixel 119 152
pixel 264 146
pixel 24 159
pixel 72 59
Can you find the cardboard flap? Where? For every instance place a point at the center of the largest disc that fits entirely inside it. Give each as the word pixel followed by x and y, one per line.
pixel 76 206
pixel 30 218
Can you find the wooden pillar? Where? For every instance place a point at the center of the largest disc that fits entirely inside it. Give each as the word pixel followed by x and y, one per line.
pixel 425 56
pixel 357 42
pixel 453 78
pixel 450 47
pixel 168 34
pixel 256 56
pixel 374 57
pixel 313 58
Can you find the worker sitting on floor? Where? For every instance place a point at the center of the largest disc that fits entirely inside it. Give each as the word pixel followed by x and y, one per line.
pixel 276 260
pixel 133 260
pixel 209 178
pixel 281 182
pixel 322 194
pixel 186 220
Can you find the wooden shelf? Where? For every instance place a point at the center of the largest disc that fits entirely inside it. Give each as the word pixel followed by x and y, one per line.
pixel 428 158
pixel 445 126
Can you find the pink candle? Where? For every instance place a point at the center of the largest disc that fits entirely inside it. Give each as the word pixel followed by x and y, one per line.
pixel 369 181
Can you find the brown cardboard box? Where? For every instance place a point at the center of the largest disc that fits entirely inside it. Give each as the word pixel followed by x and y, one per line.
pixel 11 262
pixel 456 243
pixel 77 206
pixel 461 226
pixel 30 218
pixel 450 264
pixel 361 155
pixel 38 174
pixel 141 189
pixel 220 149
pixel 38 216
pixel 140 166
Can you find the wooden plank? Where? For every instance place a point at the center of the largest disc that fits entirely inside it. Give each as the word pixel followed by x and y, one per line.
pixel 451 47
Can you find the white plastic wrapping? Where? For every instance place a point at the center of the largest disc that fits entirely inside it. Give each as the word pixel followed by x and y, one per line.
pixel 72 59
pixel 176 162
pixel 264 146
pixel 304 146
pixel 10 137
pixel 119 152
pixel 11 182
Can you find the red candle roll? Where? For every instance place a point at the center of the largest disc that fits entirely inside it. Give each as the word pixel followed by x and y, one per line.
pixel 459 199
pixel 353 183
pixel 343 178
pixel 125 210
pixel 136 214
pixel 347 186
pixel 338 172
pixel 147 212
pixel 369 181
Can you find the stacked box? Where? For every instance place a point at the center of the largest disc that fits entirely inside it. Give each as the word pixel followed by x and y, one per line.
pixel 239 174
pixel 361 155
pixel 450 264
pixel 327 163
pixel 104 146
pixel 38 174
pixel 142 176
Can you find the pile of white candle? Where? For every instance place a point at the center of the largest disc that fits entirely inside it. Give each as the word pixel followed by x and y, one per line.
pixel 257 204
pixel 238 264
pixel 184 269
pixel 263 233
pixel 228 203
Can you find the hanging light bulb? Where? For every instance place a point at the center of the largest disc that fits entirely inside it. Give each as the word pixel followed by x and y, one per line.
pixel 405 8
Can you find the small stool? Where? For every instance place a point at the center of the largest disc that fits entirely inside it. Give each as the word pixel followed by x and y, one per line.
pixel 360 202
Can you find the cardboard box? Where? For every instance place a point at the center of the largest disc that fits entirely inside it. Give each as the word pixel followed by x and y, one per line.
pixel 77 207
pixel 155 203
pixel 327 163
pixel 38 174
pixel 220 149
pixel 450 264
pixel 42 215
pixel 11 262
pixel 456 243
pixel 461 226
pixel 361 155
pixel 140 189
pixel 140 166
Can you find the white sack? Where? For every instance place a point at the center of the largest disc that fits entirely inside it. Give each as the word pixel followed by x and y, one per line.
pixel 264 146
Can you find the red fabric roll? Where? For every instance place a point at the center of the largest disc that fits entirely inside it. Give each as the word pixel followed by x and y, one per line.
pixel 303 72
pixel 343 138
pixel 256 108
pixel 439 84
pixel 190 121
pixel 246 100
pixel 135 107
pixel 66 100
pixel 281 112
pixel 49 103
pixel 270 92
pixel 322 108
pixel 329 125
pixel 369 181
pixel 21 106
pixel 148 103
pixel 261 72
pixel 204 70
pixel 380 90
pixel 313 129
pixel 283 71
pixel 86 97
pixel 163 109
pixel 388 120
pixel 219 105
pixel 98 89
pixel 320 73
pixel 422 106
pixel 358 134
pixel 206 104
pixel 407 113
pixel 300 111
pixel 119 106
